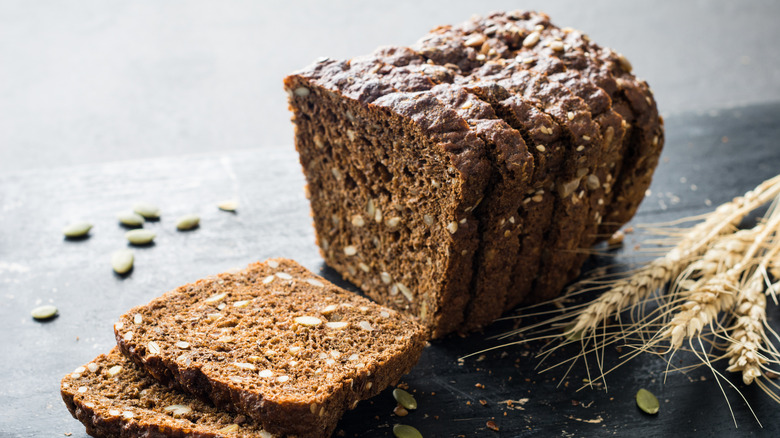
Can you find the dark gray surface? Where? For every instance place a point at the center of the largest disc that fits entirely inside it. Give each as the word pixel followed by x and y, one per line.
pixel 100 81
pixel 38 266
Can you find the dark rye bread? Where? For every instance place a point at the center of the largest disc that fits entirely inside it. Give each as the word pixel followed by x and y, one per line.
pixel 589 144
pixel 113 398
pixel 578 153
pixel 402 69
pixel 530 39
pixel 563 53
pixel 513 169
pixel 393 180
pixel 273 342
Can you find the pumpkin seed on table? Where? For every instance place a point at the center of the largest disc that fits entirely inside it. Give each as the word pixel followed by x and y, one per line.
pixel 404 431
pixel 229 205
pixel 130 219
pixel 43 313
pixel 78 229
pixel 404 399
pixel 140 236
pixel 122 261
pixel 149 211
pixel 188 222
pixel 647 402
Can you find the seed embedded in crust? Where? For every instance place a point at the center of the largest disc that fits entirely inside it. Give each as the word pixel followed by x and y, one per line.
pixel 242 303
pixel 284 276
pixel 385 277
pixel 183 345
pixel 358 221
pixel 114 370
pixel 266 373
pixel 244 366
pixel 215 298
pixel 314 282
pixel 592 182
pixel 337 325
pixel 92 367
pixel 365 325
pixel 138 318
pixel 405 291
pixel 268 279
pixel 308 321
pixel 363 267
pixel 301 91
pixel 531 39
pixel 350 250
pixel 452 227
pixel 153 347
pixel 178 409
pixel 557 46
pixel 540 148
pixel 83 389
pixel 393 222
pixel 475 40
pixel 428 219
pixel 128 336
pixel 234 427
pixel 282 379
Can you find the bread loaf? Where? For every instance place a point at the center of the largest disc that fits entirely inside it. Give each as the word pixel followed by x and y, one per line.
pixel 590 135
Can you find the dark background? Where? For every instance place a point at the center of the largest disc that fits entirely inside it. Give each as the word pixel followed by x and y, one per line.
pixel 180 103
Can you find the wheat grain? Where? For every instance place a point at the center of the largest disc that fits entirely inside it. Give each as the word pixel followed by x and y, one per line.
pixel 747 334
pixel 702 307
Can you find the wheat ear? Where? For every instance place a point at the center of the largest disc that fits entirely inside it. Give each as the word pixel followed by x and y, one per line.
pixel 718 292
pixel 748 331
pixel 629 291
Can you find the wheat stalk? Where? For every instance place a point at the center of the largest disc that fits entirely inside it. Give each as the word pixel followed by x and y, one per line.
pixel 627 292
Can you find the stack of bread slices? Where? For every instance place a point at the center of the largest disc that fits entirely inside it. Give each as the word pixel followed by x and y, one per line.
pixel 272 350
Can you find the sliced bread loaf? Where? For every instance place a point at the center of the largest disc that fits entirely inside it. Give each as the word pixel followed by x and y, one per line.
pixel 394 177
pixel 274 342
pixel 115 398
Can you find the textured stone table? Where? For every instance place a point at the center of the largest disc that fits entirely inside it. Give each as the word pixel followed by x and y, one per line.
pixel 708 160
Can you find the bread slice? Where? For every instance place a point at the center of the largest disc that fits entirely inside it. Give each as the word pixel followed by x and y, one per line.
pixel 274 342
pixel 393 178
pixel 113 397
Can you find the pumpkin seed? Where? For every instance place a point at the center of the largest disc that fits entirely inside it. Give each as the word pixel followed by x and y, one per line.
pixel 149 211
pixel 404 399
pixel 43 313
pixel 78 229
pixel 122 261
pixel 229 205
pixel 140 236
pixel 130 219
pixel 404 431
pixel 187 222
pixel 647 402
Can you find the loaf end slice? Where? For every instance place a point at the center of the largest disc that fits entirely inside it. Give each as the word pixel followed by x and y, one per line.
pixel 274 342
pixel 113 397
pixel 394 177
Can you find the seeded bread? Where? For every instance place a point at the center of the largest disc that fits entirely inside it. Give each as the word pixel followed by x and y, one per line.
pixel 512 167
pixel 561 104
pixel 274 342
pixel 393 178
pixel 113 397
